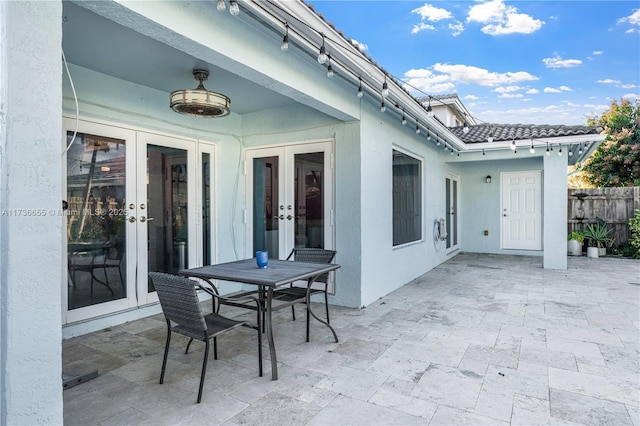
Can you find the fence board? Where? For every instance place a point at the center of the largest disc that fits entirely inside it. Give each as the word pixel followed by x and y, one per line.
pixel 615 205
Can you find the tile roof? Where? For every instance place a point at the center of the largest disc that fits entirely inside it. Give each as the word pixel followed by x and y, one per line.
pixel 507 132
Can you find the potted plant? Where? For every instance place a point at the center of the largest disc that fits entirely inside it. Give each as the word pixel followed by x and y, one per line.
pixel 599 236
pixel 574 244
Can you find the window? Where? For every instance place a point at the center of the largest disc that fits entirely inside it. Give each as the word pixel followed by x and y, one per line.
pixel 407 199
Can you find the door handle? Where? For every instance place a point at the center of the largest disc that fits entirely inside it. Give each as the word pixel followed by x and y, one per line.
pixel 505 215
pixel 145 219
pixel 281 217
pixel 289 217
pixel 132 219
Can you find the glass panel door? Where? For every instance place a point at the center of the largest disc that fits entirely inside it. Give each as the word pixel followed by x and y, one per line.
pixel 131 208
pixel 165 213
pixel 289 198
pixel 451 214
pixel 98 241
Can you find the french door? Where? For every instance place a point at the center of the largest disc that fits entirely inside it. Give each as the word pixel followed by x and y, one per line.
pixel 289 198
pixel 133 206
pixel 451 211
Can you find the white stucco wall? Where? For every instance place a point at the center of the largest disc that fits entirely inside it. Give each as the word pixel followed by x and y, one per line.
pixel 480 202
pixel 555 214
pixel 385 268
pixel 30 247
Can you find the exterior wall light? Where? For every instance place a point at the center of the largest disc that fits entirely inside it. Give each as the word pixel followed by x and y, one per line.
pixel 488 179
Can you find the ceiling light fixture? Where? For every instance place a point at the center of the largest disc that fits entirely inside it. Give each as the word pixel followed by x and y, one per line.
pixel 200 102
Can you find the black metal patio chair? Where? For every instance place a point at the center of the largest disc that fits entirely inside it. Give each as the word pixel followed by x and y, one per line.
pixel 180 305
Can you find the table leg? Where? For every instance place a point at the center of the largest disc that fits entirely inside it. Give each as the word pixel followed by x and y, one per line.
pixel 272 346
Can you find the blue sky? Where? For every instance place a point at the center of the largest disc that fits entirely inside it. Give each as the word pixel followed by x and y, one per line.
pixel 531 62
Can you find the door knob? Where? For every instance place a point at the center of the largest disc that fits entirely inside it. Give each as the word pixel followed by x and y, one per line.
pixel 132 219
pixel 505 215
pixel 289 217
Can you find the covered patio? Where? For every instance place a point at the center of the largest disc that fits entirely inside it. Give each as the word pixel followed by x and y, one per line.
pixel 480 339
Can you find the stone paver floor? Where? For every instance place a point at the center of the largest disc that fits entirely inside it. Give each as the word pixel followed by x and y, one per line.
pixel 481 339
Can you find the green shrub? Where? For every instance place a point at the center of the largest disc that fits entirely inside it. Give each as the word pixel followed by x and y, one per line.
pixel 634 227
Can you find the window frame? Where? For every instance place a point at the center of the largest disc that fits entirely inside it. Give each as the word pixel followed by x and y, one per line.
pixel 399 240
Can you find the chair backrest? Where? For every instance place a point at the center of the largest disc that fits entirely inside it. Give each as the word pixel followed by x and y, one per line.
pixel 179 301
pixel 313 255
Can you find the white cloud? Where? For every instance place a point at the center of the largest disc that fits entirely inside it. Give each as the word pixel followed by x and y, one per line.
pixel 457 28
pixel 507 89
pixel 597 52
pixel 431 13
pixel 558 90
pixel 633 19
pixel 628 86
pixel 360 46
pixel 421 27
pixel 558 62
pixel 608 81
pixel 474 75
pixel 501 19
pixel 631 96
pixel 532 92
pixel 426 81
pixel 511 95
pixel 471 97
pixel 632 30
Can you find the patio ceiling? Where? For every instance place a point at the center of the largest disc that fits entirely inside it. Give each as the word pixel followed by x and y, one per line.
pixel 99 44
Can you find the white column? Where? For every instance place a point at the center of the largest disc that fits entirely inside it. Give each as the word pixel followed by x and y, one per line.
pixel 555 212
pixel 31 261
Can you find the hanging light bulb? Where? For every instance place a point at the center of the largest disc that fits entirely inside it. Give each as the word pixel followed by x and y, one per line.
pixel 322 55
pixel 465 128
pixel 532 148
pixel 451 151
pixel 446 148
pixel 417 127
pixel 385 87
pixel 285 40
pixel 548 152
pixel 429 109
pixel 490 138
pixel 580 150
pixel 360 92
pixel 329 68
pixel 483 152
pixel 437 141
pixel 234 9
pixel 428 134
pixel 404 120
pixel 551 148
pixel 458 155
pixel 560 151
pixel 382 107
pixel 515 151
pixel 570 151
pixel 513 145
pixel 221 6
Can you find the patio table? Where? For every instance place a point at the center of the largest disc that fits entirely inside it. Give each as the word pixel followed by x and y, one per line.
pixel 278 273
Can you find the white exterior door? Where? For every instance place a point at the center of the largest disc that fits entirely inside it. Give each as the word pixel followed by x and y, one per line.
pixel 289 198
pixel 451 213
pixel 521 210
pixel 133 207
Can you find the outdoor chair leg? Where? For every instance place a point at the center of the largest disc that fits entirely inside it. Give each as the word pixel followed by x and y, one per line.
pixel 326 305
pixel 259 344
pixel 204 368
pixel 186 351
pixel 166 352
pixel 293 313
pixel 215 348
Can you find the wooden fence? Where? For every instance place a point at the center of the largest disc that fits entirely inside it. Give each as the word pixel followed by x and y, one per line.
pixel 615 205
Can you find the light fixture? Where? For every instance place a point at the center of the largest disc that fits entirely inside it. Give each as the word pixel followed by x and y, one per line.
pixel 515 152
pixel 234 9
pixel 200 102
pixel 532 149
pixel 458 154
pixel 429 109
pixel 329 68
pixel 437 141
pixel 451 151
pixel 428 134
pixel 488 179
pixel 490 138
pixel 548 152
pixel 560 151
pixel 417 127
pixel 221 6
pixel 465 128
pixel 360 92
pixel 570 151
pixel 580 150
pixel 322 55
pixel 382 107
pixel 513 144
pixel 385 87
pixel 285 40
pixel 484 154
pixel 404 119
